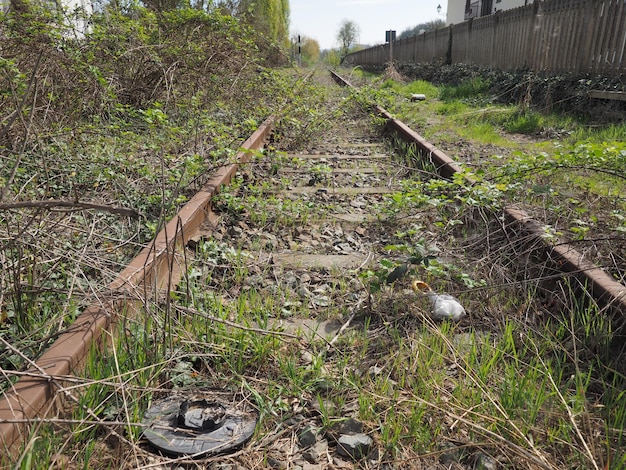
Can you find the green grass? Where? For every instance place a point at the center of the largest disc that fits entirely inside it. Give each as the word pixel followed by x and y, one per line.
pixel 509 389
pixel 560 169
pixel 419 87
pixel 599 134
pixel 528 384
pixel 474 88
pixel 524 123
pixel 531 386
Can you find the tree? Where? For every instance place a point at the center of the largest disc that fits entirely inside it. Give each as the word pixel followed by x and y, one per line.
pixel 415 30
pixel 162 5
pixel 347 36
pixel 331 57
pixel 270 17
pixel 310 51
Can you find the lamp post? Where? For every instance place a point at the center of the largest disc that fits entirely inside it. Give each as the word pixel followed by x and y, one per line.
pixel 439 9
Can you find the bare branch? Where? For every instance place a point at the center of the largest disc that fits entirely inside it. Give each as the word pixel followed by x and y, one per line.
pixel 72 205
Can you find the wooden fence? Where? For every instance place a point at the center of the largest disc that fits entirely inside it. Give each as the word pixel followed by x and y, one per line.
pixel 580 36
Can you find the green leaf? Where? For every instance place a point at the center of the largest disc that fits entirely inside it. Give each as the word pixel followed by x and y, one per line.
pixel 397 273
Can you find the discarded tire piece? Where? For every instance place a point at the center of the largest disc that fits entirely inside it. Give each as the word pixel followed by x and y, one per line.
pixel 197 426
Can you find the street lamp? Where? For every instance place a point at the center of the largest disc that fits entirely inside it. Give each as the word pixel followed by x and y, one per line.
pixel 439 8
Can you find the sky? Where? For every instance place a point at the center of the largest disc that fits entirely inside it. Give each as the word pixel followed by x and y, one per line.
pixel 321 19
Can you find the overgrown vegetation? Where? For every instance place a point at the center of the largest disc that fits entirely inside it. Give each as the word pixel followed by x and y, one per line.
pixel 563 179
pixel 566 172
pixel 533 379
pixel 565 93
pixel 104 137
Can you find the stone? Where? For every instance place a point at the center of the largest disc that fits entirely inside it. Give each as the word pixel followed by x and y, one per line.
pixel 294 420
pixel 326 407
pixel 316 454
pixel 307 437
pixel 274 463
pixel 355 446
pixel 290 280
pixel 310 466
pixel 303 292
pixel 254 280
pixel 235 231
pixel 485 462
pixel 321 447
pixel 351 426
pixel 358 203
pixel 323 385
pixel 451 455
pixel 306 356
pixel 321 301
pixel 311 456
pixel 341 464
pixel 343 247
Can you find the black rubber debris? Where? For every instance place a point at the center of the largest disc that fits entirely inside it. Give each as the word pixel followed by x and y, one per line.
pixel 197 426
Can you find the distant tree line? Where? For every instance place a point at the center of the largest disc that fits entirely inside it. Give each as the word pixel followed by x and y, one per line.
pixel 422 27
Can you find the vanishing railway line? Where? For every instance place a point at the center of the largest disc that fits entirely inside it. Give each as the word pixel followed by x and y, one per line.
pixel 315 230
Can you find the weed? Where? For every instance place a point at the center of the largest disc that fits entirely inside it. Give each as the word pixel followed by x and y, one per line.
pixel 472 88
pixel 529 122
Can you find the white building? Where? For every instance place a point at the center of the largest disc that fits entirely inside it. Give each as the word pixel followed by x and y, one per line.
pixel 463 10
pixel 75 14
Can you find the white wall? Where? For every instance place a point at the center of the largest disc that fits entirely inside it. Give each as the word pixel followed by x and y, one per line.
pixel 76 14
pixel 456 8
pixel 456 12
pixel 508 4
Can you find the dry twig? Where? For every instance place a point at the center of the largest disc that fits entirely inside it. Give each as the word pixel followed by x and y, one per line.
pixel 72 205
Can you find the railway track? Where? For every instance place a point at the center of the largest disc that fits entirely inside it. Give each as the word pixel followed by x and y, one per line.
pixel 314 230
pixel 602 287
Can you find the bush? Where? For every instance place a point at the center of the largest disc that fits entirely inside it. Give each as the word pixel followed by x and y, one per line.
pixel 131 59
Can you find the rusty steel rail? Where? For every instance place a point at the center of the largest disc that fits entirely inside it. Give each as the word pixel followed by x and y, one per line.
pixel 38 392
pixel 604 289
